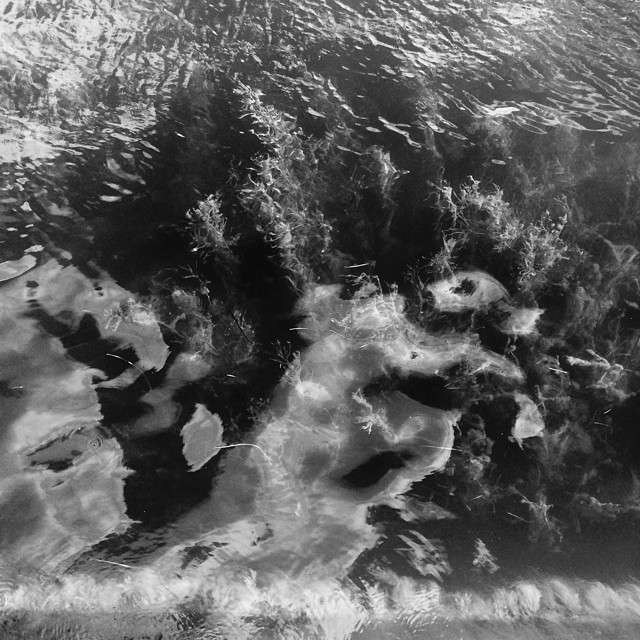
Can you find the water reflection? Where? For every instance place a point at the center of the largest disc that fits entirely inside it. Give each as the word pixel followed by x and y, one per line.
pixel 62 473
pixel 297 501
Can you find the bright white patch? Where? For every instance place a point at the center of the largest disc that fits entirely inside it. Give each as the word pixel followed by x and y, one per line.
pixel 14 268
pixel 529 422
pixel 313 391
pixel 202 437
pixel 521 322
pixel 467 290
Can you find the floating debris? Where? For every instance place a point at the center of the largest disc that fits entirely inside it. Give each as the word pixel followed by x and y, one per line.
pixel 14 268
pixel 202 437
pixel 529 422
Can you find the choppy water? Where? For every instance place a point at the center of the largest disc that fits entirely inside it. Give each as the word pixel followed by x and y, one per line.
pixel 124 511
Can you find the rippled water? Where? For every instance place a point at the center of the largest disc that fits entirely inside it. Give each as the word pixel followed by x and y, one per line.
pixel 150 488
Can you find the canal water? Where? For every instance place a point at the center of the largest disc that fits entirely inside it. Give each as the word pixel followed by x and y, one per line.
pixel 319 319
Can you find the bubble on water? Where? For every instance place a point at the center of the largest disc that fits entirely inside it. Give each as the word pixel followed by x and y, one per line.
pixel 95 443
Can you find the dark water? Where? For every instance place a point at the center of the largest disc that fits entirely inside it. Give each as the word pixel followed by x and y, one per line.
pixel 217 431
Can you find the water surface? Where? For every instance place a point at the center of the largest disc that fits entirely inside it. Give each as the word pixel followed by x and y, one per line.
pixel 254 428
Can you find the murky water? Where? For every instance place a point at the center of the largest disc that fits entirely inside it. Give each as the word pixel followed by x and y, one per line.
pixel 198 439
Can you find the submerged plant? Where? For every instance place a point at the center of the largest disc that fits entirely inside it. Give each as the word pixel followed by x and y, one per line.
pixel 483 230
pixel 285 195
pixel 543 527
pixel 208 229
pixel 483 559
pixel 371 418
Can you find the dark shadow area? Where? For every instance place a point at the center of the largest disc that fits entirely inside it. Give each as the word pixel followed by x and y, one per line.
pixel 374 469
